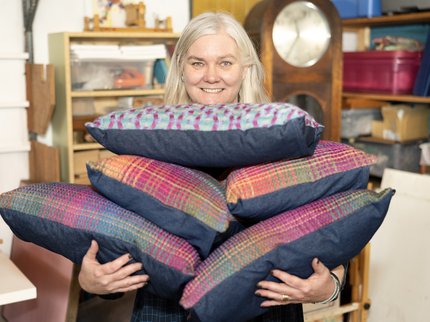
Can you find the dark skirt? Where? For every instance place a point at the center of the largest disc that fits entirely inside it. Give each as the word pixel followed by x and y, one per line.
pixel 148 308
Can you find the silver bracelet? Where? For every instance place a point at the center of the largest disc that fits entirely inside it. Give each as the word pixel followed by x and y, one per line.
pixel 336 289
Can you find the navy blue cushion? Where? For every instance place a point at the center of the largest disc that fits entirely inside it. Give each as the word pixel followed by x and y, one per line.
pixel 185 202
pixel 64 218
pixel 333 229
pixel 210 135
pixel 259 192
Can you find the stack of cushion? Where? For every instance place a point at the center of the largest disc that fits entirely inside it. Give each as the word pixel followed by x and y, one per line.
pixel 290 198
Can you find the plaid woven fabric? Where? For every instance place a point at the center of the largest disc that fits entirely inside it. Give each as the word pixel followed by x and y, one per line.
pixel 79 207
pixel 193 192
pixel 251 244
pixel 329 158
pixel 219 117
pixel 149 308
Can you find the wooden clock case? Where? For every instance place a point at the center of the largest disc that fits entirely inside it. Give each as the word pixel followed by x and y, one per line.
pixel 322 81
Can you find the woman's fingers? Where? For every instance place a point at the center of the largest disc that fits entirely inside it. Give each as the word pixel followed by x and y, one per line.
pixel 112 277
pixel 130 283
pixel 286 296
pixel 116 265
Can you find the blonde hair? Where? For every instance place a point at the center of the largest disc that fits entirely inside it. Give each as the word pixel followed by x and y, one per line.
pixel 209 23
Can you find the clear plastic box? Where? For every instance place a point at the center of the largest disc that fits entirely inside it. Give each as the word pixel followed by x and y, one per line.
pixel 96 75
pixel 391 72
pixel 357 122
pixel 400 156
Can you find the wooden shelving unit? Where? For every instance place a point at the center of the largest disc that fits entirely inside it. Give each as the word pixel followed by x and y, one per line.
pixel 387 97
pixel 361 27
pixel 359 266
pixel 59 55
pixel 391 20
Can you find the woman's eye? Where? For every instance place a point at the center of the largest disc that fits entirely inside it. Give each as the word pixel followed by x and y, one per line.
pixel 197 64
pixel 226 63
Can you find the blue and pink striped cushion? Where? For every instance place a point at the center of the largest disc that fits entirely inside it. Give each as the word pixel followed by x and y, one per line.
pixel 261 191
pixel 64 218
pixel 333 229
pixel 186 202
pixel 222 135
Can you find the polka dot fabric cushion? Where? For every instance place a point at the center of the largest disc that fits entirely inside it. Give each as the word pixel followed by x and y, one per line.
pixel 210 135
pixel 334 229
pixel 64 218
pixel 183 201
pixel 261 191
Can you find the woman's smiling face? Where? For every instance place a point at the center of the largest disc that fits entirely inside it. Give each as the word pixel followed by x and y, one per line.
pixel 213 70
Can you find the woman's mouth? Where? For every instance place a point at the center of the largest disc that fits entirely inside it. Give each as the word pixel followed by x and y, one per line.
pixel 212 90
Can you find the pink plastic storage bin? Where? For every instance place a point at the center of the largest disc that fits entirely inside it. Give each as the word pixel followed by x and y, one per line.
pixel 391 72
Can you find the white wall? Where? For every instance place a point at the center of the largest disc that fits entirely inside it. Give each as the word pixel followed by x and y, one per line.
pixel 51 16
pixel 14 144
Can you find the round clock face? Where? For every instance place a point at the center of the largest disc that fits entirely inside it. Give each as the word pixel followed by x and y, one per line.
pixel 301 34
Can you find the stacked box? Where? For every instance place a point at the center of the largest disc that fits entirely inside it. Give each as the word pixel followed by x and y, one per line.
pixel 402 123
pixel 400 156
pixel 392 72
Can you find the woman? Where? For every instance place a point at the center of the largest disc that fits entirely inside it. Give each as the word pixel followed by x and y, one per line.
pixel 214 62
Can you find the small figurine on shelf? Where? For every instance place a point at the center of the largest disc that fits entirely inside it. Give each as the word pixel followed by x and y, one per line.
pixel 115 14
pixel 135 15
pixel 163 24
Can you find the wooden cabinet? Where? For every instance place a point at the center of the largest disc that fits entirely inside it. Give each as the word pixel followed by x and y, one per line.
pixel 73 151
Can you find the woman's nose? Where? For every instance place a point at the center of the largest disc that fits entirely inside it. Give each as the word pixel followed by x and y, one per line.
pixel 211 75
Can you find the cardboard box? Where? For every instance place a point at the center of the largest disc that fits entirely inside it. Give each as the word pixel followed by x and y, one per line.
pixel 81 158
pixel 104 154
pixel 377 129
pixel 405 123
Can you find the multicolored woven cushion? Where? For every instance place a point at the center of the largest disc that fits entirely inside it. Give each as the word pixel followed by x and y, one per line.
pixel 64 218
pixel 333 229
pixel 261 191
pixel 183 201
pixel 210 135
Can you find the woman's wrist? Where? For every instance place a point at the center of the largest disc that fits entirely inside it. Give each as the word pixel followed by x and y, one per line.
pixel 336 290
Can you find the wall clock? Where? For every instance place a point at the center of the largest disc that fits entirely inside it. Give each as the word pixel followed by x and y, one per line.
pixel 300 46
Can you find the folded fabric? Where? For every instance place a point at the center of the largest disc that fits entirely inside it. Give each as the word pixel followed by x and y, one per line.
pixel 261 191
pixel 221 135
pixel 185 202
pixel 333 229
pixel 64 218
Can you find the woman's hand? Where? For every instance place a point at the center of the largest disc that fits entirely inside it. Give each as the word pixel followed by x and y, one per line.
pixel 292 289
pixel 112 277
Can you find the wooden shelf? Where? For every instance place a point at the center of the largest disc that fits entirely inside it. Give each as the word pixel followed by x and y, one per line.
pixel 392 20
pixel 115 35
pixel 388 97
pixel 117 93
pixel 87 146
pixel 59 45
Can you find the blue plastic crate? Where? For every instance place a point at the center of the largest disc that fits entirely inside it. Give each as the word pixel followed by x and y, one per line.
pixel 358 8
